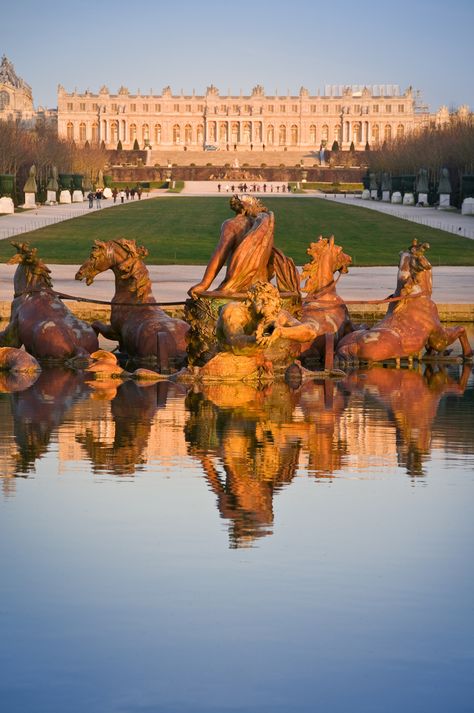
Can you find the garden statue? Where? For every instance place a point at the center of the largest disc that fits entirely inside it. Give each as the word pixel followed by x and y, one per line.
pixel 412 321
pixel 39 320
pixel 444 189
pixel 30 188
pixel 373 188
pixel 142 329
pixel 246 244
pixel 53 186
pixel 422 186
pixel 323 310
pixel 386 186
pixel 255 337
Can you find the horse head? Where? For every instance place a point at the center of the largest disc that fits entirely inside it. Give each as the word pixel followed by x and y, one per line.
pixel 31 272
pixel 327 258
pixel 414 270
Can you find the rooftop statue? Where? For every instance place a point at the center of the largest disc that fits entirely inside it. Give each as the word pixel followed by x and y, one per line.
pixel 412 322
pixel 136 322
pixel 39 320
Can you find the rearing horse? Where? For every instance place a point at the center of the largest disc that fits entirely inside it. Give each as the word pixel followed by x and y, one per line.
pixel 322 307
pixel 39 320
pixel 412 321
pixel 135 320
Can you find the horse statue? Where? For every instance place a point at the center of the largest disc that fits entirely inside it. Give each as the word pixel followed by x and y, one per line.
pixel 412 321
pixel 141 328
pixel 322 307
pixel 39 320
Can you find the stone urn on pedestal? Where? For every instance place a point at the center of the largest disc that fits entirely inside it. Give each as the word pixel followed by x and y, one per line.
pixel 52 187
pixel 30 189
pixel 422 187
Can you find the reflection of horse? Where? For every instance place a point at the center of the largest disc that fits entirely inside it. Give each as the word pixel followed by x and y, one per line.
pixel 38 319
pixel 133 410
pixel 40 410
pixel 323 309
pixel 411 399
pixel 136 321
pixel 411 323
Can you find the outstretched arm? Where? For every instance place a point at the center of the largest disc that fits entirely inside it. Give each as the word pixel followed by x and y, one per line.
pixel 218 258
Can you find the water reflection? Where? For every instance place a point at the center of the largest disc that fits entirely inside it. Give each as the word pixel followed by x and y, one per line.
pixel 249 443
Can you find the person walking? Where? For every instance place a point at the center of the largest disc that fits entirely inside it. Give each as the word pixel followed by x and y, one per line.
pixel 114 194
pixel 98 198
pixel 122 196
pixel 90 197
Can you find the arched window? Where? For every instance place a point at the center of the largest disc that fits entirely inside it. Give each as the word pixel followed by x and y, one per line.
pixel 176 134
pixel 114 131
pixel 235 132
pixel 146 134
pixel 4 100
pixel 325 133
pixel 282 135
pixel 270 135
pixel 95 132
pixel 200 133
pixel 82 131
pixel 338 134
pixel 400 131
pixel 294 135
pixel 223 132
pixel 211 131
pixel 157 133
pixel 387 133
pixel 70 131
pixel 312 134
pixel 246 135
pixel 188 134
pixel 375 134
pixel 133 133
pixel 357 133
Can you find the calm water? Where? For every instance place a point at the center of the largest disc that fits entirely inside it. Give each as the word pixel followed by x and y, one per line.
pixel 234 550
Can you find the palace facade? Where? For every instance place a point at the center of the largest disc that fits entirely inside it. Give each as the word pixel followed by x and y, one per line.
pixel 16 98
pixel 259 121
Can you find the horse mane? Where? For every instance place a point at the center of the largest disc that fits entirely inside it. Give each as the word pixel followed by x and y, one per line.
pixel 133 268
pixel 35 269
pixel 310 271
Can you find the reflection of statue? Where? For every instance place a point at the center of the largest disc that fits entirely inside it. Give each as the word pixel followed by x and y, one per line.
pixel 444 185
pixel 422 181
pixel 249 433
pixel 30 185
pixel 246 242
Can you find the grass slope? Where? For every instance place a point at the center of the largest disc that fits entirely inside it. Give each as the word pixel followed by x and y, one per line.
pixel 185 231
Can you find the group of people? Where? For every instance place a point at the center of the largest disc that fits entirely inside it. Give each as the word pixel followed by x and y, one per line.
pixel 254 188
pixel 124 194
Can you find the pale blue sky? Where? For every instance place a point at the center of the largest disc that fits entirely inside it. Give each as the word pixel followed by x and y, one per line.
pixel 279 44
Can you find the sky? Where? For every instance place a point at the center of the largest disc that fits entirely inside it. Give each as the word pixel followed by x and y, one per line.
pixel 282 45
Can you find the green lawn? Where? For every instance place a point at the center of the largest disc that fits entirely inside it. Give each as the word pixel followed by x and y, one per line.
pixel 185 230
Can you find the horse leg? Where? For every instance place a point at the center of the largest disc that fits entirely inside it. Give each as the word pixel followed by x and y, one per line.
pixel 10 337
pixel 443 337
pixel 106 330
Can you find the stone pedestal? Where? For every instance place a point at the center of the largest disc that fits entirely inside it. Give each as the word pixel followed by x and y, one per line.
pixel 365 194
pixel 408 199
pixel 386 196
pixel 51 197
pixel 444 200
pixel 65 197
pixel 77 197
pixel 423 199
pixel 396 197
pixel 30 200
pixel 374 194
pixel 467 207
pixel 6 205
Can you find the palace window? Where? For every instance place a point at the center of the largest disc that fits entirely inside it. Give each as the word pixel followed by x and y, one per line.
pixel 270 108
pixel 401 108
pixel 338 108
pixel 325 133
pixel 387 133
pixel 70 131
pixel 388 108
pixel 223 108
pixel 294 108
pixel 236 109
pixel 158 108
pixel 82 106
pixel 146 134
pixel 282 135
pixel 70 106
pixel 247 108
pixel 188 108
pixel 400 131
pixel 356 108
pixel 283 108
pixel 145 107
pixel 95 132
pixel 375 108
pixel 114 107
pixel 95 107
pixel 294 135
pixel 157 133
pixel 200 107
pixel 176 108
pixel 4 100
pixel 188 134
pixel 325 108
pixel 312 134
pixel 133 132
pixel 133 108
pixel 82 131
pixel 313 108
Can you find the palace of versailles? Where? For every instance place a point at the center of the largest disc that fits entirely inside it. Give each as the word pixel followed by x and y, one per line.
pixel 258 121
